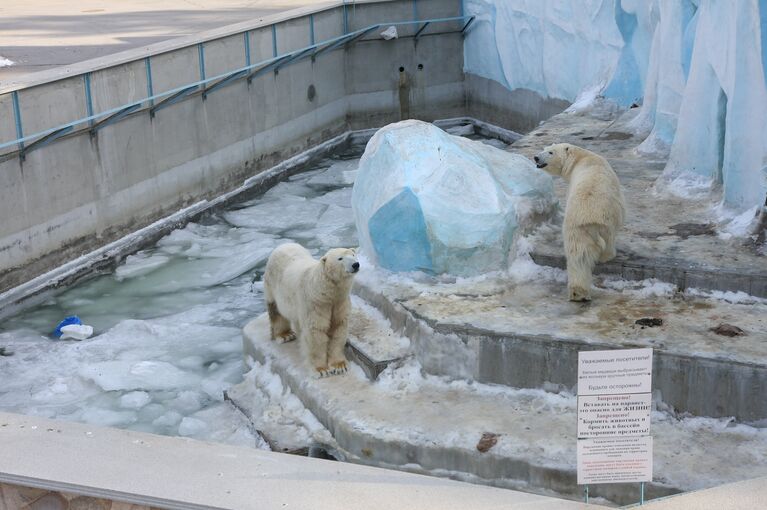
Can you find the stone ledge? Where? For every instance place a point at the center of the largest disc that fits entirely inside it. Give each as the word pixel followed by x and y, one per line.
pixel 177 473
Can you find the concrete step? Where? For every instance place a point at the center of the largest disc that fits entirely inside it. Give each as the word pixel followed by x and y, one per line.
pixel 372 344
pixel 520 330
pixel 426 424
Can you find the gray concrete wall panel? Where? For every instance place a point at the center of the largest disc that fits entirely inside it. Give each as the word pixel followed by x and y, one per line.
pixel 223 55
pixel 85 190
pixel 328 24
pixel 119 85
pixel 53 104
pixel 175 69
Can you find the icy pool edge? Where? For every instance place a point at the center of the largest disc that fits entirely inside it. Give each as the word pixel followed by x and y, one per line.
pixel 104 259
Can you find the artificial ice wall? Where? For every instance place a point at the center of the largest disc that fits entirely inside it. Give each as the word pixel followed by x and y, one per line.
pixel 697 67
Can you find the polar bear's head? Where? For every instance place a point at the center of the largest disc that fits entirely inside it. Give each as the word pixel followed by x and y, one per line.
pixel 340 263
pixel 553 159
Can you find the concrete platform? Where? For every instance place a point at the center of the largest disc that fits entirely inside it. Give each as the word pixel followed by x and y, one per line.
pixel 430 425
pixel 520 330
pixel 666 237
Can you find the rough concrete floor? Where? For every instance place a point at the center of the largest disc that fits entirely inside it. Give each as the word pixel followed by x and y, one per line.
pixel 424 424
pixel 661 230
pixel 542 308
pixel 43 34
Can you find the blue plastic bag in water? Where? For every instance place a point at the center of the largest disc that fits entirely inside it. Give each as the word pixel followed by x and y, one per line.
pixel 72 319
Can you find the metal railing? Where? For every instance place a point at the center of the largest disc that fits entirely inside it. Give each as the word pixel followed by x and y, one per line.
pixel 205 85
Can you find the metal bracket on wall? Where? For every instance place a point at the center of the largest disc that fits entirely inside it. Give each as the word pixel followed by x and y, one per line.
pixel 268 67
pixel 223 82
pixel 346 39
pixel 206 85
pixel 178 96
pixel 42 142
pixel 113 118
pixel 420 30
pixel 466 26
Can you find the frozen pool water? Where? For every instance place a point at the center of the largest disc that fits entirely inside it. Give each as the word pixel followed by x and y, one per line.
pixel 168 321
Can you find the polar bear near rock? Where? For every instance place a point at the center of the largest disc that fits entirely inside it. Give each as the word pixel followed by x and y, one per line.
pixel 594 212
pixel 308 299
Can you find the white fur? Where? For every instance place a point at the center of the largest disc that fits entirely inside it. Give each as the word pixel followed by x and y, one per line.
pixel 594 212
pixel 309 299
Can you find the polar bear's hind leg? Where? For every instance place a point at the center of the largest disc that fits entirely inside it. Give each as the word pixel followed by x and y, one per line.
pixel 583 246
pixel 280 326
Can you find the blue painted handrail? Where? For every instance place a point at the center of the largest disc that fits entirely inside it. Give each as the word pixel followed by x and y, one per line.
pixel 171 96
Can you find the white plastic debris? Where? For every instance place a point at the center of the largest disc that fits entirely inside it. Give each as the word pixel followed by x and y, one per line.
pixel 76 332
pixel 390 33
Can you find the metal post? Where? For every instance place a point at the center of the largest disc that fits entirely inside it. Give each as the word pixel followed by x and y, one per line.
pixel 346 19
pixel 274 41
pixel 88 98
pixel 415 10
pixel 641 493
pixel 17 118
pixel 247 48
pixel 586 494
pixel 311 30
pixel 201 58
pixel 149 88
pixel 201 55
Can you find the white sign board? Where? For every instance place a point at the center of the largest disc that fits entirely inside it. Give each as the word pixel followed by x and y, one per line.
pixel 614 415
pixel 614 460
pixel 612 372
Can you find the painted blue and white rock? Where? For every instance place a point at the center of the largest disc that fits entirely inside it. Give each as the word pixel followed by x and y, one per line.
pixel 426 200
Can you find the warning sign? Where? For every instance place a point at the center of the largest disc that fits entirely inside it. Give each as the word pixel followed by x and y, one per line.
pixel 611 372
pixel 614 415
pixel 614 404
pixel 614 460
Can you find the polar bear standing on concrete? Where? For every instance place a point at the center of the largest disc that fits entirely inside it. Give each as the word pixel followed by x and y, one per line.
pixel 594 212
pixel 311 297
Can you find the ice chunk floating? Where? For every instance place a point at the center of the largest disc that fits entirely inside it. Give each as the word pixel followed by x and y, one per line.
pixel 429 201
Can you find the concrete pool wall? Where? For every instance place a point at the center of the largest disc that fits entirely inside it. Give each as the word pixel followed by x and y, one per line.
pixel 77 190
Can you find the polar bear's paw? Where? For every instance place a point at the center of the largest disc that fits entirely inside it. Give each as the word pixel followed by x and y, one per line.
pixel 323 372
pixel 286 337
pixel 339 367
pixel 579 294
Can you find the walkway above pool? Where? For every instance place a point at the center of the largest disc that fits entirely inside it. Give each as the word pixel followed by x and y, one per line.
pixel 94 465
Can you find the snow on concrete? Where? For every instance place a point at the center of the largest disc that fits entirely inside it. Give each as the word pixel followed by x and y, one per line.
pixel 405 411
pixel 405 207
pixel 275 411
pixel 532 299
pixel 372 333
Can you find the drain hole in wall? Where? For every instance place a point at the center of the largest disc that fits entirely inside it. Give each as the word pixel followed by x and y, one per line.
pixel 311 93
pixel 402 69
pixel 420 67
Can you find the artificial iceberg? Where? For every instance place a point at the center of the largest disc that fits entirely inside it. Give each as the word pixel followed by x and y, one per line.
pixel 429 201
pixel 698 67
